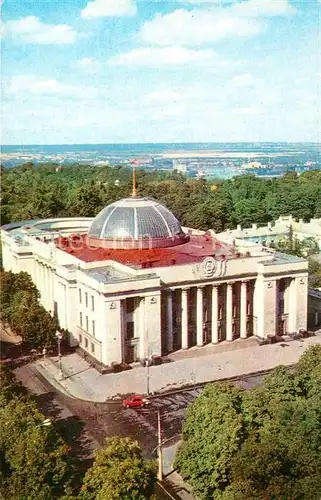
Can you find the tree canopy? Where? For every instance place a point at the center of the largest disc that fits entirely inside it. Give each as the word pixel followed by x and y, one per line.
pixel 119 473
pixel 50 190
pixel 262 443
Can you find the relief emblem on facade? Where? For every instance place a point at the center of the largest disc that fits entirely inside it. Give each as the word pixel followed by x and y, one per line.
pixel 209 268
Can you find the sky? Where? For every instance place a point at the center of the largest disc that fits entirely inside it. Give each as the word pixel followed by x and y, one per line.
pixel 127 71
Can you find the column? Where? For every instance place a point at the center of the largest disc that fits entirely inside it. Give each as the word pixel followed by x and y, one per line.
pixel 229 311
pixel 184 321
pixel 199 316
pixel 214 314
pixel 243 314
pixel 169 321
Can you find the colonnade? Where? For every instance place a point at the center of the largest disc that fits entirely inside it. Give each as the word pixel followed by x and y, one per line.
pixel 215 320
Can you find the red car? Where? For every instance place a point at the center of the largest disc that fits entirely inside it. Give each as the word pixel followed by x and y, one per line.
pixel 135 401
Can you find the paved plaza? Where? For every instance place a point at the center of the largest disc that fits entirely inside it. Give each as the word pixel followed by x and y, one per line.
pixel 80 380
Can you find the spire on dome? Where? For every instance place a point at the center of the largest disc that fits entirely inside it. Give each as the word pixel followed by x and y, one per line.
pixel 134 163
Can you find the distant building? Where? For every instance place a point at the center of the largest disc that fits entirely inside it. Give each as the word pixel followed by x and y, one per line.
pixel 131 283
pixel 273 231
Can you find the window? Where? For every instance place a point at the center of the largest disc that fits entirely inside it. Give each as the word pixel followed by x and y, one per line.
pixel 130 330
pixel 248 308
pixel 93 327
pixel 87 324
pixel 234 311
pixel 80 338
pixel 86 343
pixel 92 347
pixel 130 305
pixel 80 296
pixel 234 329
pixel 220 312
pixel 86 299
pixel 92 303
pixel 80 319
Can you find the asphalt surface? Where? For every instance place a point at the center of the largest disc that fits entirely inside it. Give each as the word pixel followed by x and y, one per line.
pixel 108 419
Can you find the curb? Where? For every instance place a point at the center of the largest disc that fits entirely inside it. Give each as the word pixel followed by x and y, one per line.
pixel 55 383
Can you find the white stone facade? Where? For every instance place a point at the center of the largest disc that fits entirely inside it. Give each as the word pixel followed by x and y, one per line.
pixel 120 313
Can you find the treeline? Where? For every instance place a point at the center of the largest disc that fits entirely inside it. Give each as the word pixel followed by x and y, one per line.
pixel 49 190
pixel 263 443
pixel 37 462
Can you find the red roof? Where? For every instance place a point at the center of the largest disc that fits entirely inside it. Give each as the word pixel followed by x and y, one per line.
pixel 194 250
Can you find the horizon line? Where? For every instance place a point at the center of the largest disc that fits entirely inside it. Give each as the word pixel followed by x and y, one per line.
pixel 158 143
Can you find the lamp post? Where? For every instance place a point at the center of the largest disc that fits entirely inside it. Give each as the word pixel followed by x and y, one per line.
pixel 59 338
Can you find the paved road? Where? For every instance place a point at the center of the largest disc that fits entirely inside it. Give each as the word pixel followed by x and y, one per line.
pixel 102 419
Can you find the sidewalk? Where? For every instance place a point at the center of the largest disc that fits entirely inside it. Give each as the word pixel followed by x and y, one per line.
pixel 84 382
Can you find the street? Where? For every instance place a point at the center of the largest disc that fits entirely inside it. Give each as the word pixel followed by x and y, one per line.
pixel 107 419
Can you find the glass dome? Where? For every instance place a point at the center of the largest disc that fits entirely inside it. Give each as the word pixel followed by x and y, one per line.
pixel 137 219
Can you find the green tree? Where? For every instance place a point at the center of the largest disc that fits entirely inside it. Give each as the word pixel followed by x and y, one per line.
pixel 213 431
pixel 37 461
pixel 119 473
pixel 262 443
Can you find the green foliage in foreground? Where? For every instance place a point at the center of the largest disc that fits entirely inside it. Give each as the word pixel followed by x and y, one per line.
pixel 259 444
pixel 49 190
pixel 21 310
pixel 119 473
pixel 36 463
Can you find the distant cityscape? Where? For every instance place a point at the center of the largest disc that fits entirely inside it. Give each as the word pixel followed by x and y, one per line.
pixel 198 160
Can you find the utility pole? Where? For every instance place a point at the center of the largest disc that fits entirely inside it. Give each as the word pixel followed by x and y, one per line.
pixel 160 452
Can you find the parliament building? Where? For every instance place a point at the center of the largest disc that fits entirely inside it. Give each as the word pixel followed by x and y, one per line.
pixel 132 283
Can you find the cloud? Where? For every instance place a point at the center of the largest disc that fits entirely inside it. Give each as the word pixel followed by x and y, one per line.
pixel 109 8
pixel 32 85
pixel 165 56
pixel 244 80
pixel 88 64
pixel 31 30
pixel 213 23
pixel 248 111
pixel 197 27
pixel 264 8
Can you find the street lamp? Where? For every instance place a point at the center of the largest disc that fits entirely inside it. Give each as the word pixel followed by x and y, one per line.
pixel 59 339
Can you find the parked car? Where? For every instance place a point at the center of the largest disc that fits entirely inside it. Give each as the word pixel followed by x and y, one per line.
pixel 135 401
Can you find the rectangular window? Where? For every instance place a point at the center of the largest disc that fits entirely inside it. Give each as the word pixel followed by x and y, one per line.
pixel 92 303
pixel 80 297
pixel 220 312
pixel 234 311
pixel 92 347
pixel 248 308
pixel 80 319
pixel 87 324
pixel 86 299
pixel 86 343
pixel 130 330
pixel 130 305
pixel 93 328
pixel 80 338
